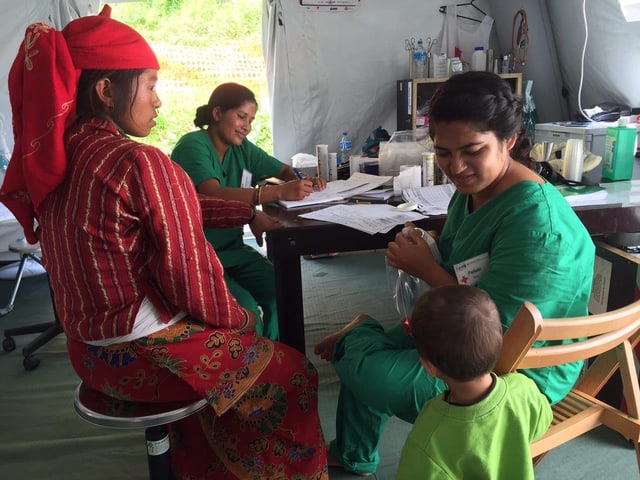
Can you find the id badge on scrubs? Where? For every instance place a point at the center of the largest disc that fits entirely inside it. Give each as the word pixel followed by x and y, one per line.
pixel 245 182
pixel 470 271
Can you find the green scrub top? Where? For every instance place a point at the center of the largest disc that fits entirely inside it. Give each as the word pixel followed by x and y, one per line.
pixel 195 153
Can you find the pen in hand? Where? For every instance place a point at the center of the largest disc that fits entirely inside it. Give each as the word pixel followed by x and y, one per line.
pixel 298 174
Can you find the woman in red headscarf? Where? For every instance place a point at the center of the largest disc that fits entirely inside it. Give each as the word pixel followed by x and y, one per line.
pixel 138 289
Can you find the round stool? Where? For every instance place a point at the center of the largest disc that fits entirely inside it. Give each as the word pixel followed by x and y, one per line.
pixel 100 409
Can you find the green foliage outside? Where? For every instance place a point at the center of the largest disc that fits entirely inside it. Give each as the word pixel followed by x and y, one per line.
pixel 199 26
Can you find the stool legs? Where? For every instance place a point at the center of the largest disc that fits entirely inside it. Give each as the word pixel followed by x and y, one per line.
pixel 158 455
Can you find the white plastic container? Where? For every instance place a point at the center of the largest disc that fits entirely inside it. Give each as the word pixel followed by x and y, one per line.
pixel 573 160
pixel 428 169
pixel 322 152
pixel 479 60
pixel 333 167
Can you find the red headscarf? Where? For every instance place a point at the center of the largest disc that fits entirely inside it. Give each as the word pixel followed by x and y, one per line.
pixel 42 88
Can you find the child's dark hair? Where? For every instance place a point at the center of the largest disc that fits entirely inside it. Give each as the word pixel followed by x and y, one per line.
pixel 485 99
pixel 226 96
pixel 457 328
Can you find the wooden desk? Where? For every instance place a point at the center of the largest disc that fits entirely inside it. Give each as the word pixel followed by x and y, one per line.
pixel 306 237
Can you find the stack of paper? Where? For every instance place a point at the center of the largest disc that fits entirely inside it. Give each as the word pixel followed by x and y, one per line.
pixel 432 200
pixel 339 190
pixel 366 218
pixel 378 195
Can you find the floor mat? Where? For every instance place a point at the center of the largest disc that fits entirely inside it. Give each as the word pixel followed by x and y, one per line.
pixel 337 289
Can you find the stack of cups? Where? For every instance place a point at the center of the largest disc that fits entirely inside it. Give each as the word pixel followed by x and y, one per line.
pixel 354 163
pixel 573 160
pixel 333 167
pixel 322 152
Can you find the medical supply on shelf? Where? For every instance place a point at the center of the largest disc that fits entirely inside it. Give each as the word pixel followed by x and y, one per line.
pixel 479 60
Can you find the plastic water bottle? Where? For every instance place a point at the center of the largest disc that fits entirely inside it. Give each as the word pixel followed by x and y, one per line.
pixel 345 148
pixel 4 152
pixel 4 163
pixel 420 61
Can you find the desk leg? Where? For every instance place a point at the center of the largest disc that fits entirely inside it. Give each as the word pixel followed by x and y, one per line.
pixel 288 277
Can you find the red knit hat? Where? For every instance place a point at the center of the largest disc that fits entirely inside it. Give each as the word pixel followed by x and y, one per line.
pixel 43 82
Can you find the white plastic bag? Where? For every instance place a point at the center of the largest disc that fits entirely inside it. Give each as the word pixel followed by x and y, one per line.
pixel 404 148
pixel 406 288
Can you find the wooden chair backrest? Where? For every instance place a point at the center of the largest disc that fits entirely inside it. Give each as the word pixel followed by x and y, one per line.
pixel 610 337
pixel 593 335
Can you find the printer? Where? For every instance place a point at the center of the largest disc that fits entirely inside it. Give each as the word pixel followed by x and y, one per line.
pixel 592 134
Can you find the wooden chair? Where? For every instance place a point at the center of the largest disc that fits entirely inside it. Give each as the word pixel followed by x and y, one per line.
pixel 610 337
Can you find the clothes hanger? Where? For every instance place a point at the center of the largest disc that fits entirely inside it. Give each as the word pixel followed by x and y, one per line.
pixel 443 9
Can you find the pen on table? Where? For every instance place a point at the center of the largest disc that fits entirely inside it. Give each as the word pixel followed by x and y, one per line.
pixel 298 174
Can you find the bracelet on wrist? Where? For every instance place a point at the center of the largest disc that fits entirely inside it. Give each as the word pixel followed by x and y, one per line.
pixel 246 320
pixel 259 202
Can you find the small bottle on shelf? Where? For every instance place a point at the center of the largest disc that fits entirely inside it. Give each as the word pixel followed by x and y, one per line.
pixel 419 61
pixel 479 60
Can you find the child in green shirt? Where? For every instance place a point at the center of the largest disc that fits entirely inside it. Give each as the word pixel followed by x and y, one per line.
pixel 483 424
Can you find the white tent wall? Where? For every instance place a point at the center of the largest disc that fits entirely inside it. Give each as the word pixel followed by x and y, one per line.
pixel 612 56
pixel 15 16
pixel 542 65
pixel 335 71
pixel 331 72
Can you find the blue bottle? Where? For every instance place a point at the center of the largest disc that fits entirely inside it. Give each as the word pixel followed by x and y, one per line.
pixel 345 148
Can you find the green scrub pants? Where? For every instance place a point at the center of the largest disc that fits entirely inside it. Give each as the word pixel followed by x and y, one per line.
pixel 381 376
pixel 250 279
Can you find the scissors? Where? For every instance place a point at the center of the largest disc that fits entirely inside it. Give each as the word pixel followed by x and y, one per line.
pixel 410 44
pixel 430 43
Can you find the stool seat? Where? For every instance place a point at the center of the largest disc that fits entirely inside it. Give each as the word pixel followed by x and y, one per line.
pixel 100 409
pixel 105 411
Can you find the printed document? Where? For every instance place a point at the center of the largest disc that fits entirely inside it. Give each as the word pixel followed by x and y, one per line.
pixel 339 190
pixel 375 218
pixel 432 200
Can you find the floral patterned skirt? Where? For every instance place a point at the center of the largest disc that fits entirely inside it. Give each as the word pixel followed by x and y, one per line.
pixel 263 422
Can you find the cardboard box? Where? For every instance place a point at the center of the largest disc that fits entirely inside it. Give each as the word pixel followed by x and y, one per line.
pixel 616 278
pixel 616 283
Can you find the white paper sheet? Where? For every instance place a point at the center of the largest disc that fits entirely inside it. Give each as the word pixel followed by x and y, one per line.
pixel 375 218
pixel 339 190
pixel 432 200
